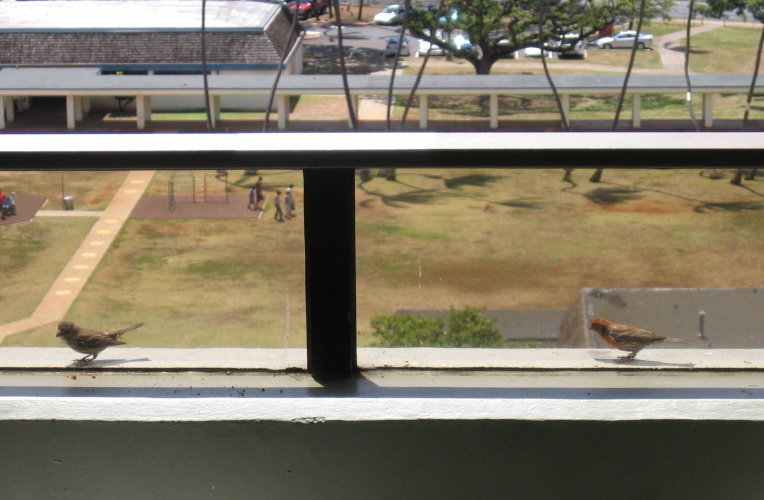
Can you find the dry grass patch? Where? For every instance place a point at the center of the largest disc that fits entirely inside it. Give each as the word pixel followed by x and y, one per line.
pixel 90 190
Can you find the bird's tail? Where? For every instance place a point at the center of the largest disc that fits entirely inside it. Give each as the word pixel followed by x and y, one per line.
pixel 117 333
pixel 678 341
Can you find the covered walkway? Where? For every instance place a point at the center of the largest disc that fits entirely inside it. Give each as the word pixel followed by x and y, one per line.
pixel 78 85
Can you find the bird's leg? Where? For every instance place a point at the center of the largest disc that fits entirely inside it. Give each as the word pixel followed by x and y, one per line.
pixel 627 358
pixel 85 360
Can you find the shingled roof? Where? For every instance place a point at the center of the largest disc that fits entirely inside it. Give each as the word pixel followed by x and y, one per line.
pixel 252 36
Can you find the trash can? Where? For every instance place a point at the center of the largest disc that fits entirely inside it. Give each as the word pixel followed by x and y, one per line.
pixel 68 203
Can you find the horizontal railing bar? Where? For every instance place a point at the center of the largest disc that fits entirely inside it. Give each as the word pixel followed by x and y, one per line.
pixel 370 150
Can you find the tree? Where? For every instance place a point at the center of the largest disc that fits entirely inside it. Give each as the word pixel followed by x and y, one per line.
pixel 497 28
pixel 467 328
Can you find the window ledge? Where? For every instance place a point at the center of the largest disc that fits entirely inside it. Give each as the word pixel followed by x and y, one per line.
pixel 152 359
pixel 153 385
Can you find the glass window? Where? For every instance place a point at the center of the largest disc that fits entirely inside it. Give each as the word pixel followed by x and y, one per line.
pixel 529 257
pixel 187 253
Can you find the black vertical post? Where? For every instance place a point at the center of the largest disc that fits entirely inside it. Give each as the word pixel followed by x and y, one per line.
pixel 330 271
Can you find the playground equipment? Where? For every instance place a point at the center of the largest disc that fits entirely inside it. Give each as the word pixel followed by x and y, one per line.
pixel 182 188
pixel 179 187
pixel 216 186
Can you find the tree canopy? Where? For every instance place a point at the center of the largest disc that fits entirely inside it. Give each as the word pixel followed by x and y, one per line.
pixel 497 28
pixel 717 8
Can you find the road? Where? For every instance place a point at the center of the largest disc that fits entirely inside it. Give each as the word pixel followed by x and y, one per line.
pixel 368 37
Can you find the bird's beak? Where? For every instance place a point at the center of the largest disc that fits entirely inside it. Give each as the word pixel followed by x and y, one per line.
pixel 59 333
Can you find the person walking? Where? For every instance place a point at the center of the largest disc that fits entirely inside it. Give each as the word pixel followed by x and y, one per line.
pixel 251 205
pixel 278 215
pixel 288 204
pixel 290 197
pixel 259 193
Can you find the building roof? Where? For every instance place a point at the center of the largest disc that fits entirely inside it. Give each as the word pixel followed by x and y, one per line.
pixel 133 15
pixel 143 35
pixel 708 318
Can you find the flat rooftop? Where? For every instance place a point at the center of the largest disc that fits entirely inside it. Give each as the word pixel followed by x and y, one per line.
pixel 133 15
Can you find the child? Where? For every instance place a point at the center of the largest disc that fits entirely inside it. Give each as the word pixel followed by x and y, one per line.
pixel 288 204
pixel 277 216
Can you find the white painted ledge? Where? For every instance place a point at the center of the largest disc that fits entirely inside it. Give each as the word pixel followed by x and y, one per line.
pixel 158 385
pixel 138 359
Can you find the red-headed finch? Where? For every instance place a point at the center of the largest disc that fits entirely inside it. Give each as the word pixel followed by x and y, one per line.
pixel 628 338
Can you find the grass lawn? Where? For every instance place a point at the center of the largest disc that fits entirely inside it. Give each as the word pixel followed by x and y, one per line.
pixel 32 258
pixel 725 50
pixel 201 115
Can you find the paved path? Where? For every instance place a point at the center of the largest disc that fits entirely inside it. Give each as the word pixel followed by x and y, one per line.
pixel 672 54
pixel 72 279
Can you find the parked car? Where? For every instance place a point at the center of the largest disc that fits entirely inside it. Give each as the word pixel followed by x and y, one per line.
pixel 625 40
pixel 392 47
pixel 535 52
pixel 393 14
pixel 307 9
pixel 461 41
pixel 424 46
pixel 572 46
pixel 453 16
pixel 511 55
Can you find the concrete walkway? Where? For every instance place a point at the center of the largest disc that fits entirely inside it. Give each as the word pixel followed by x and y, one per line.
pixel 77 271
pixel 672 53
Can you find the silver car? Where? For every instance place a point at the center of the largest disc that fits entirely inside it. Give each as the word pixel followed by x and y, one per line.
pixel 392 47
pixel 424 45
pixel 625 40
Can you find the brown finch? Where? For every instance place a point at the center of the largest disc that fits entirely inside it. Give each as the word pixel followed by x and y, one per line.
pixel 88 341
pixel 628 338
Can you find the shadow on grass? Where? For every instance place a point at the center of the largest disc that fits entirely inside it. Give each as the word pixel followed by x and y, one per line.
pixel 422 197
pixel 620 193
pixel 525 203
pixel 613 195
pixel 479 180
pixel 419 196
pixel 730 206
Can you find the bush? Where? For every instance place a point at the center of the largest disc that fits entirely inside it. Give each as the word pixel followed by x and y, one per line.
pixel 466 328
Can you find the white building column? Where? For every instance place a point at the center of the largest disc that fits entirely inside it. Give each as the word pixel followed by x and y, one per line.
pixel 85 105
pixel 142 110
pixel 71 112
pixel 214 109
pixel 283 111
pixel 424 111
pixel 494 110
pixel 2 113
pixel 636 110
pixel 708 109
